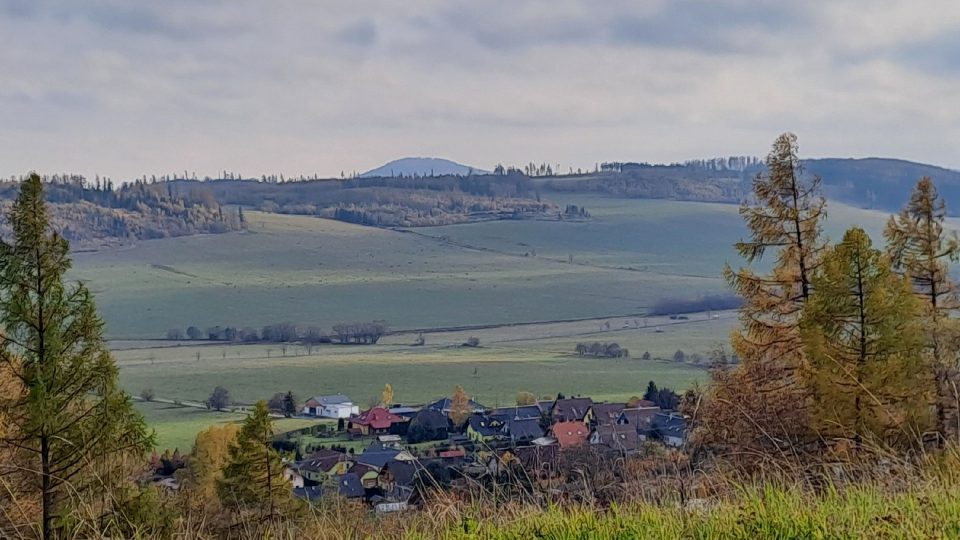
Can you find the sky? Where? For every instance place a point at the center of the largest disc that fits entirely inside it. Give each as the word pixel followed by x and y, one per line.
pixel 123 88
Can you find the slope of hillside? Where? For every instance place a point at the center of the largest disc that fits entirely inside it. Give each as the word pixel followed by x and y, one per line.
pixel 422 166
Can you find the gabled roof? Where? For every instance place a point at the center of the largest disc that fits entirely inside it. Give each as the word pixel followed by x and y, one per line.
pixel 336 399
pixel 571 408
pixel 378 457
pixel 622 438
pixel 308 493
pixel 640 419
pixel 444 405
pixel 544 405
pixel 570 434
pixel 607 413
pixel 402 472
pixel 349 485
pixel 522 412
pixel 431 419
pixel 377 418
pixel 524 430
pixel 322 460
pixel 485 425
pixel 670 424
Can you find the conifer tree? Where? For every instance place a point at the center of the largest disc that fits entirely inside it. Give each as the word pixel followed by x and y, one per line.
pixel 864 342
pixel 762 403
pixel 920 249
pixel 459 406
pixel 253 476
pixel 71 422
pixel 289 404
pixel 386 397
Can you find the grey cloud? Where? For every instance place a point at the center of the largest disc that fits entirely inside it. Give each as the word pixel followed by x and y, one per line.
pixel 359 33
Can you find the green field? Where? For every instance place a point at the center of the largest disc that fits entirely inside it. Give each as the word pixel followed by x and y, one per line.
pixel 318 272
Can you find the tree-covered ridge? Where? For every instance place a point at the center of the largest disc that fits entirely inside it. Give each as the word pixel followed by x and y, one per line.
pixel 91 213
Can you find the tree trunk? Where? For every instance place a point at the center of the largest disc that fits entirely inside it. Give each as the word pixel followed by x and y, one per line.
pixel 47 491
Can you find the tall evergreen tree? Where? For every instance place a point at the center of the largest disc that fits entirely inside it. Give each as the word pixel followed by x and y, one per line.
pixel 864 342
pixel 71 420
pixel 920 249
pixel 289 404
pixel 253 476
pixel 762 403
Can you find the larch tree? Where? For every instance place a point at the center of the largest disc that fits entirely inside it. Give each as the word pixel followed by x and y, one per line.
pixel 919 248
pixel 71 423
pixel 253 475
pixel 761 405
pixel 863 338
pixel 386 397
pixel 204 465
pixel 459 406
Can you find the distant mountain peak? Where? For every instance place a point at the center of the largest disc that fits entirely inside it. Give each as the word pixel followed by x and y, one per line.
pixel 422 166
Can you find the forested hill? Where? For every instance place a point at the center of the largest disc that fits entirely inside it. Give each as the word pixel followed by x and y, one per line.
pixel 93 214
pixel 877 183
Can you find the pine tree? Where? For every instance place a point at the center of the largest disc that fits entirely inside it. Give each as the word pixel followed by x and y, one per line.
pixel 919 249
pixel 652 391
pixel 289 404
pixel 762 403
pixel 864 342
pixel 253 476
pixel 71 422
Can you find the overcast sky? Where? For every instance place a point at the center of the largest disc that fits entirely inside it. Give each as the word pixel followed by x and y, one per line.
pixel 125 88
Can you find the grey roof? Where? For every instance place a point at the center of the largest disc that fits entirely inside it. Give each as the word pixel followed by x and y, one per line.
pixel 308 493
pixel 349 485
pixel 444 405
pixel 522 412
pixel 403 472
pixel 571 408
pixel 641 419
pixel 607 413
pixel 622 438
pixel 377 456
pixel 337 399
pixel 485 425
pixel 670 425
pixel 430 419
pixel 524 430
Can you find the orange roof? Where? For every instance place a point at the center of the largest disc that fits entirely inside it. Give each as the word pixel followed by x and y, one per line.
pixel 570 433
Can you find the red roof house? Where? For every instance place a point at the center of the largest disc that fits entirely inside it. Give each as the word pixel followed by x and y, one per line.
pixel 375 421
pixel 570 434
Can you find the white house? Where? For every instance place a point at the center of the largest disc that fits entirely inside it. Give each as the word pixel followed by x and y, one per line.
pixel 338 406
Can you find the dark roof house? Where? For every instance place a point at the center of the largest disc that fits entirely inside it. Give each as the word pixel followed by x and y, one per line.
pixel 377 456
pixel 523 430
pixel 520 412
pixel 570 409
pixel 482 426
pixel 308 493
pixel 619 437
pixel 605 413
pixel 640 419
pixel 349 486
pixel 444 405
pixel 671 428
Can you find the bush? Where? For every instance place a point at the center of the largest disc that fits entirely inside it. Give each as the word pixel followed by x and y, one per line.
pixel 146 394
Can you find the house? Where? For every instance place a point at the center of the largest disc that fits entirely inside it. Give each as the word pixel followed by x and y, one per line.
pixel 544 405
pixel 308 493
pixel 349 486
pixel 444 405
pixel 376 421
pixel 292 475
pixel 641 419
pixel 481 428
pixel 570 433
pixel 322 464
pixel 397 474
pixel 406 412
pixel 377 456
pixel 337 406
pixel 520 412
pixel 621 438
pixel 671 428
pixel 523 431
pixel 428 425
pixel 368 474
pixel 570 409
pixel 603 413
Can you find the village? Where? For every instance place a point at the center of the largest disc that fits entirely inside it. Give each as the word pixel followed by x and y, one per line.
pixel 395 452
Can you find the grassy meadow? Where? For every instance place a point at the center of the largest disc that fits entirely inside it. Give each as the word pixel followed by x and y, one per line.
pixel 311 271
